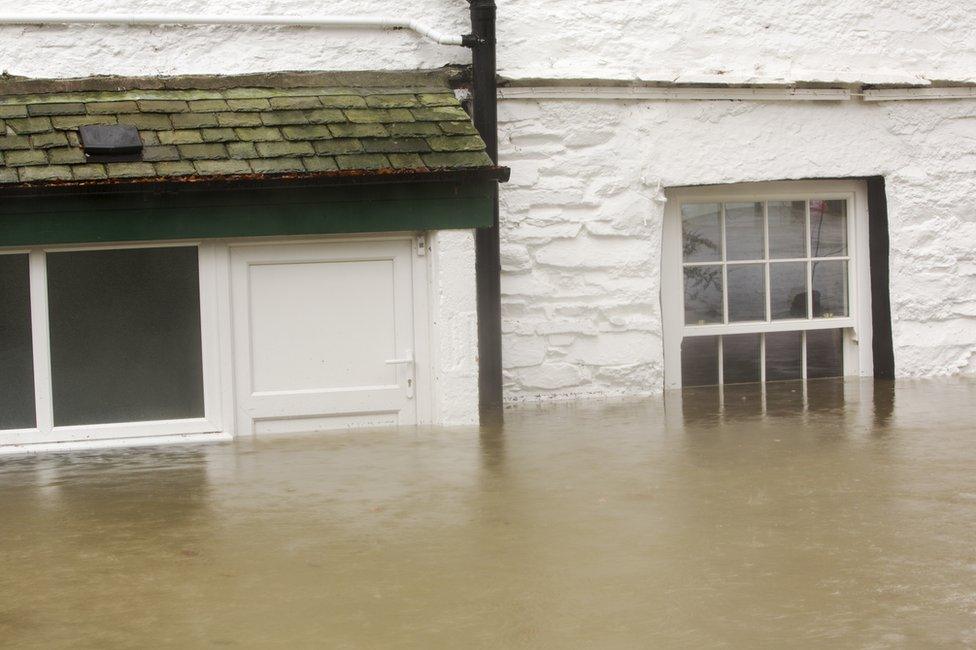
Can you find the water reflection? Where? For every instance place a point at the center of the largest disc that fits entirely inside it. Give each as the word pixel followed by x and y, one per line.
pixel 828 513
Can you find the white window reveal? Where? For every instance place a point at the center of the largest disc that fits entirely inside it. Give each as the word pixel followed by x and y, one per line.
pixel 766 282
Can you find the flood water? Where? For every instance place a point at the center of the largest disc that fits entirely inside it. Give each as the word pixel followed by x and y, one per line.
pixel 840 515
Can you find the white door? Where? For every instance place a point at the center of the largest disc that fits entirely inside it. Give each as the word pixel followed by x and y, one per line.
pixel 323 335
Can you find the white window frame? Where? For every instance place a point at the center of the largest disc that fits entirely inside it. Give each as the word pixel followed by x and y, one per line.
pixel 219 420
pixel 45 431
pixel 858 360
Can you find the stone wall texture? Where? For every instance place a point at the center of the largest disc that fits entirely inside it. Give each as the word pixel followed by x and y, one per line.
pixel 673 40
pixel 582 216
pixel 582 223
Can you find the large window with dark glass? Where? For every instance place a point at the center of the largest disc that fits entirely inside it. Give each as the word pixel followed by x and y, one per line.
pixel 121 337
pixel 766 287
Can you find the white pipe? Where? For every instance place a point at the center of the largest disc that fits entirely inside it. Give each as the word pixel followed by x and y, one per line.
pixel 232 19
pixel 663 93
pixel 905 94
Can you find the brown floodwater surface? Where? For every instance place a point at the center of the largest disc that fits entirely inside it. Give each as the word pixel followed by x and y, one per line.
pixel 836 515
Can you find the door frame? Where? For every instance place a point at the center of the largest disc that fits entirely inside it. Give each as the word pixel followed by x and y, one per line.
pixel 420 284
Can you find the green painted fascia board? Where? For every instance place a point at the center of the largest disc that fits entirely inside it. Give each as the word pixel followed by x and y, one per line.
pixel 243 212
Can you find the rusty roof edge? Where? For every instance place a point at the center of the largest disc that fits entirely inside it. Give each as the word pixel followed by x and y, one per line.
pixel 445 77
pixel 236 181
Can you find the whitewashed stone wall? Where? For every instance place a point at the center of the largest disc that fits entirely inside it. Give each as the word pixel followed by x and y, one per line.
pixel 670 40
pixel 454 309
pixel 582 223
pixel 582 215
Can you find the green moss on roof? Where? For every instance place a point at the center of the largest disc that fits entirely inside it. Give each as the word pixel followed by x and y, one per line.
pixel 219 131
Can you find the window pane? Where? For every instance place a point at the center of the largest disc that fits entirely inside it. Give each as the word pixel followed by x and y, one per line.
pixel 699 361
pixel 788 290
pixel 747 292
pixel 740 358
pixel 787 229
pixel 784 356
pixel 16 351
pixel 825 353
pixel 703 295
pixel 744 231
pixel 828 228
pixel 829 289
pixel 701 232
pixel 125 335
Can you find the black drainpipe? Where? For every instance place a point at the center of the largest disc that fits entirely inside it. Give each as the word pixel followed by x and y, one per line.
pixel 488 266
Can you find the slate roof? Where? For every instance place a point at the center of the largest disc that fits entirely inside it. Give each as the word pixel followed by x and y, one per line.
pixel 214 130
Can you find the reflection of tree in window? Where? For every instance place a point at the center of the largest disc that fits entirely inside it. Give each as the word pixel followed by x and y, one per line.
pixel 694 242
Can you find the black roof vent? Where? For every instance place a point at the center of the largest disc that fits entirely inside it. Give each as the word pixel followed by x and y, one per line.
pixel 111 142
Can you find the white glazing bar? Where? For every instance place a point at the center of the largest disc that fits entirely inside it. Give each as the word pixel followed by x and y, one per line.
pixel 773 326
pixel 803 354
pixel 806 210
pixel 840 258
pixel 769 298
pixel 762 358
pixel 41 342
pixel 721 361
pixel 725 271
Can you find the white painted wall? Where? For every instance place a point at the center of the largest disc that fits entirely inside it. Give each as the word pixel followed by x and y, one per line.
pixel 684 40
pixel 582 215
pixel 454 331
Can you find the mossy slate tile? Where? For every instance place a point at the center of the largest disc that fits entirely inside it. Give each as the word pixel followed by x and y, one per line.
pixel 66 156
pixel 406 161
pixel 413 129
pixel 29 125
pixel 277 165
pixel 202 151
pixel 294 103
pixel 278 118
pixel 239 119
pixel 362 161
pixel 259 134
pixel 193 120
pixel 161 153
pixel 281 149
pixel 89 172
pixel 56 109
pixel 338 146
pixel 245 105
pixel 163 106
pixel 176 168
pixel 46 173
pixel 358 130
pixel 320 164
pixel 456 143
pixel 130 170
pixel 395 145
pixel 343 101
pixel 217 167
pixel 218 135
pixel 209 105
pixel 462 159
pixel 241 150
pixel 307 132
pixel 237 131
pixel 8 142
pixel 23 157
pixel 188 136
pixel 12 111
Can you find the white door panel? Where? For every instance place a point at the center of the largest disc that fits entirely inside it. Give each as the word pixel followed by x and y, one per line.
pixel 315 326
